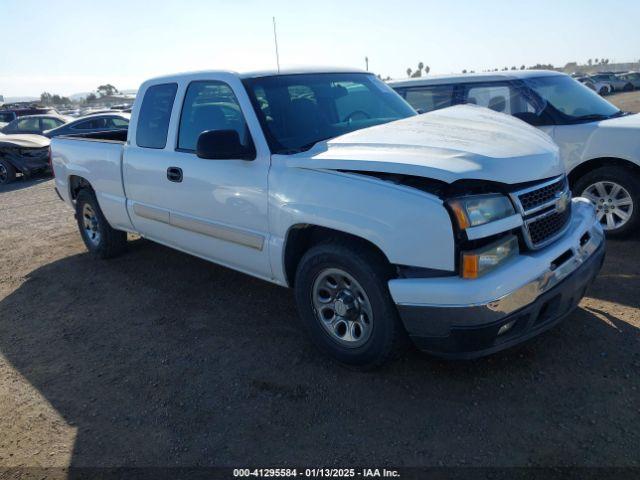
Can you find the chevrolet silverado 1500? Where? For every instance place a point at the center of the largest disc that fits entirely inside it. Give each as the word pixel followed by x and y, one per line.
pixel 454 228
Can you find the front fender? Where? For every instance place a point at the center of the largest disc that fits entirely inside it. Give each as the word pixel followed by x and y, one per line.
pixel 409 226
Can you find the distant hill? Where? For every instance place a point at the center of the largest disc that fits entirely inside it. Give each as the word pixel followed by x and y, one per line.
pixel 20 99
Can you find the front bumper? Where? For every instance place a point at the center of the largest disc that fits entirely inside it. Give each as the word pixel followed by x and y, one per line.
pixel 454 317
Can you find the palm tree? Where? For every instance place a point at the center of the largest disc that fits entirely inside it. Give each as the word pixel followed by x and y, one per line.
pixel 409 72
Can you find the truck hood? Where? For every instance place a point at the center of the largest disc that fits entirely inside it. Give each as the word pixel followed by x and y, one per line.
pixel 460 142
pixel 28 141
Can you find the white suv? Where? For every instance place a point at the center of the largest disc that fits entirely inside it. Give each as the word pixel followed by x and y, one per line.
pixel 599 144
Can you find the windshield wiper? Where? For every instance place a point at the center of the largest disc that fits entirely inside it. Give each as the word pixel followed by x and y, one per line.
pixel 593 116
pixel 599 116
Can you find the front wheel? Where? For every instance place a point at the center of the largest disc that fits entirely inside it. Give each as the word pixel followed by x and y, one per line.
pixel 615 192
pixel 100 239
pixel 344 303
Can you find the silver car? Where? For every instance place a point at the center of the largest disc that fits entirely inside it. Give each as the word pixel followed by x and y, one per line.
pixel 631 77
pixel 618 84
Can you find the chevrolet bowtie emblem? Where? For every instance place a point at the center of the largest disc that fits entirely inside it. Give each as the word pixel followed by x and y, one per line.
pixel 562 201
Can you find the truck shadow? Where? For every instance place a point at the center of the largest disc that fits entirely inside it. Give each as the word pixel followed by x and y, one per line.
pixel 162 359
pixel 24 182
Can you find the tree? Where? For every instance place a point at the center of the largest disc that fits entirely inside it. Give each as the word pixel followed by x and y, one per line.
pixel 409 72
pixel 427 69
pixel 91 98
pixel 464 71
pixel 590 62
pixel 46 98
pixel 522 67
pixel 596 61
pixel 106 90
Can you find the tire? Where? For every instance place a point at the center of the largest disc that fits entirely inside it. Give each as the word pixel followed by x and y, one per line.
pixel 627 200
pixel 7 172
pixel 381 332
pixel 100 239
pixel 628 87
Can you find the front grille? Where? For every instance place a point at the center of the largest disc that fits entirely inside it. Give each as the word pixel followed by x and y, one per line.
pixel 545 209
pixel 538 197
pixel 546 226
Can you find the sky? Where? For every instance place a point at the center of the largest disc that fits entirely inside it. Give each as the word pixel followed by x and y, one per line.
pixel 67 46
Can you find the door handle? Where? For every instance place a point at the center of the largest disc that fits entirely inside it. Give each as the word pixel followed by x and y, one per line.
pixel 174 174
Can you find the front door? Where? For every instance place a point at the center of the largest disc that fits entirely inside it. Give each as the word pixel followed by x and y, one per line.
pixel 216 209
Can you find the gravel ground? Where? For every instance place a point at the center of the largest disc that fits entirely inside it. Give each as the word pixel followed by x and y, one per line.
pixel 627 101
pixel 158 358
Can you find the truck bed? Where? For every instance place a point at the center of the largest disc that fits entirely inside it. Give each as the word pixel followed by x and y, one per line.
pixel 99 157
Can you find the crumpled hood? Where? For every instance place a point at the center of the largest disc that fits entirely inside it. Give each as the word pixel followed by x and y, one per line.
pixel 29 141
pixel 460 142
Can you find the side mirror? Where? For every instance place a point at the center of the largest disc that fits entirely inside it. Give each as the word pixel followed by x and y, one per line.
pixel 223 145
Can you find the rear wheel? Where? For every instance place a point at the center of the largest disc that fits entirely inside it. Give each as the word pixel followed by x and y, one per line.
pixel 628 87
pixel 7 172
pixel 615 192
pixel 344 302
pixel 100 239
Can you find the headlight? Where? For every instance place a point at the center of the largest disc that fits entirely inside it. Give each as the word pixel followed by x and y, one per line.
pixel 479 209
pixel 476 263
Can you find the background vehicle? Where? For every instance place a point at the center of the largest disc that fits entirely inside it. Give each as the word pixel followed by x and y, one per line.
pixel 9 112
pixel 599 144
pixel 34 124
pixel 328 182
pixel 602 88
pixel 25 154
pixel 632 77
pixel 618 84
pixel 92 123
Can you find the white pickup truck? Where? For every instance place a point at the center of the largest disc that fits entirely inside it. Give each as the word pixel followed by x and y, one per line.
pixel 455 228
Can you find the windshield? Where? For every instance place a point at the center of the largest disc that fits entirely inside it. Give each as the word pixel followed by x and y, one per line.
pixel 571 98
pixel 297 111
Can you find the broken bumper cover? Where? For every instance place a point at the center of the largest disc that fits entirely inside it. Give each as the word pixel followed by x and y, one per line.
pixel 508 306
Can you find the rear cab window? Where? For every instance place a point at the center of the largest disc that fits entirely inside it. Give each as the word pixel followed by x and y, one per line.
pixel 155 113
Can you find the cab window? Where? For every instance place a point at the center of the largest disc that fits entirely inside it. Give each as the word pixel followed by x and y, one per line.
pixel 210 105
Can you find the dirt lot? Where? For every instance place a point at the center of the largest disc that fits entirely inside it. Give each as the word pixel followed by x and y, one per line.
pixel 159 358
pixel 627 101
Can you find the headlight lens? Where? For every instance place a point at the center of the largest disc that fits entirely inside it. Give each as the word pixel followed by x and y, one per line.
pixel 476 263
pixel 480 209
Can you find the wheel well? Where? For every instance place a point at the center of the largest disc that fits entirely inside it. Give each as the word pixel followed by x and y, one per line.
pixel 304 236
pixel 587 166
pixel 77 183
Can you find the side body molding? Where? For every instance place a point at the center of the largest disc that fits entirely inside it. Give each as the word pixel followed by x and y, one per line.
pixel 204 227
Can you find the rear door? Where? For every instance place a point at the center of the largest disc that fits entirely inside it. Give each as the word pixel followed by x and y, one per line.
pixel 216 209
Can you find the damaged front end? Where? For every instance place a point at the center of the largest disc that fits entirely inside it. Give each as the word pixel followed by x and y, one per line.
pixel 24 155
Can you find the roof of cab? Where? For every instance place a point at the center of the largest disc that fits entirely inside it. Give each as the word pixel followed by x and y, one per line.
pixel 255 74
pixel 473 77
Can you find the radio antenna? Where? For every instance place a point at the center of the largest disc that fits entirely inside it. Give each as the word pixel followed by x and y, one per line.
pixel 275 39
